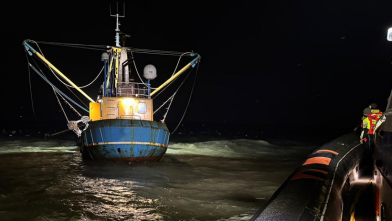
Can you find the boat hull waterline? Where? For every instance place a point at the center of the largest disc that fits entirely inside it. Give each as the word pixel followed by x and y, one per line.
pixel 125 139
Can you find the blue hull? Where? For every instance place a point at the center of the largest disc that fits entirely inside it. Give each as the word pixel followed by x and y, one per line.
pixel 124 139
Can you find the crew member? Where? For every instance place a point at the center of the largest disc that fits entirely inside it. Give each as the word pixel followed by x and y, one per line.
pixel 365 112
pixel 368 126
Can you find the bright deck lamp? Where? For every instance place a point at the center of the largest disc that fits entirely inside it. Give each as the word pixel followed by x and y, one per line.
pixel 128 101
pixel 389 35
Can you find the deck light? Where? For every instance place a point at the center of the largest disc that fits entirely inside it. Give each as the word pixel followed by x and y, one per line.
pixel 129 101
pixel 389 35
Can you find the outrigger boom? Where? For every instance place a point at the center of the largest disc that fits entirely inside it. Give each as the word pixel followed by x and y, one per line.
pixel 32 51
pixel 192 63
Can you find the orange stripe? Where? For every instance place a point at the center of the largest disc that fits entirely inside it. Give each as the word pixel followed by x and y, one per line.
pixel 318 160
pixel 328 151
pixel 377 200
pixel 317 171
pixel 302 175
pixel 131 143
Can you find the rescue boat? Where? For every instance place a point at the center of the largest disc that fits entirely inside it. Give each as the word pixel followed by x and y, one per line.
pixel 341 180
pixel 120 124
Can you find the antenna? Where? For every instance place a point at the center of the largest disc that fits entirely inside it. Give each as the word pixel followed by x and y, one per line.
pixel 117 23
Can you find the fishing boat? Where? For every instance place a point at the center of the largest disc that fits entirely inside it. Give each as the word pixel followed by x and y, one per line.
pixel 120 124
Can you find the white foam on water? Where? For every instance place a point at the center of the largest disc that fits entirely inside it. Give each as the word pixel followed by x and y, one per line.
pixel 240 148
pixel 37 146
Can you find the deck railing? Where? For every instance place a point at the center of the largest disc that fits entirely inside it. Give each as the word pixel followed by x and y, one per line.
pixel 132 89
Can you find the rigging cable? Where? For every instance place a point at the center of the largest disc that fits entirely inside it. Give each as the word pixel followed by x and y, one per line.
pixel 101 47
pixel 164 103
pixel 55 93
pixel 66 83
pixel 47 81
pixel 60 105
pixel 172 98
pixel 105 47
pixel 158 52
pixel 137 72
pixel 70 105
pixel 136 50
pixel 175 69
pixel 55 74
pixel 79 86
pixel 31 91
pixel 168 108
pixel 173 74
pixel 193 86
pixel 83 46
pixel 59 90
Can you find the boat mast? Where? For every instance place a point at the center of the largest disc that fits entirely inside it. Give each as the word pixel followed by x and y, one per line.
pixel 117 23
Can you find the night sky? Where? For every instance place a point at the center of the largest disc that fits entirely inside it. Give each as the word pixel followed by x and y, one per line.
pixel 297 65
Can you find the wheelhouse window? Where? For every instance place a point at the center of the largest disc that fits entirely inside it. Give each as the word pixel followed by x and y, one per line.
pixel 141 108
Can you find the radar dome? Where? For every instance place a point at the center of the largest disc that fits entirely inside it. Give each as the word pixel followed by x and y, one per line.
pixel 150 72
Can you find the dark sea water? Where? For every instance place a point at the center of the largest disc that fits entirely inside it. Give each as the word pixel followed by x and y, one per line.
pixel 197 179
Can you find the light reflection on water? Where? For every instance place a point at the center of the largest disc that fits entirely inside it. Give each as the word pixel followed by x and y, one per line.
pixel 116 199
pixel 59 185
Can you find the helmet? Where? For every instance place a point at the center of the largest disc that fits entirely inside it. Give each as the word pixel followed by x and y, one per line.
pixel 367 111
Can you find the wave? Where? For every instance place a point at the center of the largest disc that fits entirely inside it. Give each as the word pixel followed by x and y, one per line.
pixel 240 148
pixel 37 146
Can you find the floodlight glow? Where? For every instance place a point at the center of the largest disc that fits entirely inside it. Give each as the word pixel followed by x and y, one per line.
pixel 128 101
pixel 389 36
